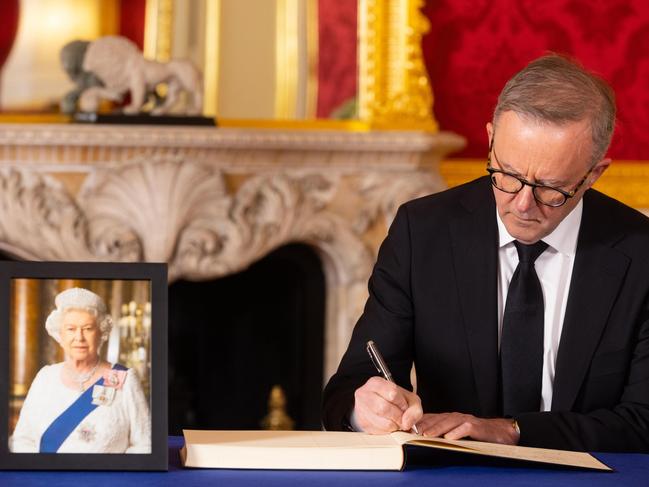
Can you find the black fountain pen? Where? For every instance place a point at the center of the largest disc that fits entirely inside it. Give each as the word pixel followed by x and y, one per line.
pixel 382 368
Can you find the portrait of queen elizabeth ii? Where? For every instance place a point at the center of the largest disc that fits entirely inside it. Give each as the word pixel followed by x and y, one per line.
pixel 83 404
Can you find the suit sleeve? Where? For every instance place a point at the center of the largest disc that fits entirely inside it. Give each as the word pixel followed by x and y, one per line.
pixel 387 319
pixel 623 428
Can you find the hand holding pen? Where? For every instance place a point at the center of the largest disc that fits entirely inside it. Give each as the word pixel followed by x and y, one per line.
pixel 381 406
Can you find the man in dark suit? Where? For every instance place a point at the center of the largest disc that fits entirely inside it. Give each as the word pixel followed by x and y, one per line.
pixel 521 298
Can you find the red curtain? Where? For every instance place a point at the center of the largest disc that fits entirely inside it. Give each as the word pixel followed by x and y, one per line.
pixel 337 54
pixel 131 20
pixel 9 10
pixel 474 46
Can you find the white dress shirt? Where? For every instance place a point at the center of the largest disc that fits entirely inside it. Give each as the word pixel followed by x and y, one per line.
pixel 554 268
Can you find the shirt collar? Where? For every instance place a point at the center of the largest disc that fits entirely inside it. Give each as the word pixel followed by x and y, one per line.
pixel 563 239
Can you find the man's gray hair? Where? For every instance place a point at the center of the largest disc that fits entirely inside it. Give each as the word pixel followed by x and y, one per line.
pixel 558 90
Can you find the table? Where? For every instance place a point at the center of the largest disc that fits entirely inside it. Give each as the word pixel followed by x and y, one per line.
pixel 424 468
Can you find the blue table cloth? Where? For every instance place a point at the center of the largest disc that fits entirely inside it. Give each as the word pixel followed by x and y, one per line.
pixel 425 467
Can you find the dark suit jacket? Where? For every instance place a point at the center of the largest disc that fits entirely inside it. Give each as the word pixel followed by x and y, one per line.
pixel 433 300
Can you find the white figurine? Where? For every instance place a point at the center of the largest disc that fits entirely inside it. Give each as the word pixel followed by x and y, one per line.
pixel 120 66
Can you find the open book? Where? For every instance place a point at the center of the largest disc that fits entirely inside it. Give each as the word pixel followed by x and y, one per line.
pixel 328 450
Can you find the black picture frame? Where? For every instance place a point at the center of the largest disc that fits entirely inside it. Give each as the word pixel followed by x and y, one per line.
pixel 156 273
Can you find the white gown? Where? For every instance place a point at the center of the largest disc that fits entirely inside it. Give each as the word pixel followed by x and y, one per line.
pixel 123 426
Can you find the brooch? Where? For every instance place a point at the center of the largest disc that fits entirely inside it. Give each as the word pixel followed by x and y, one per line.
pixel 102 396
pixel 114 378
pixel 87 432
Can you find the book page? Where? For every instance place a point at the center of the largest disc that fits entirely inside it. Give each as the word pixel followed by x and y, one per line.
pixel 411 439
pixel 289 439
pixel 542 455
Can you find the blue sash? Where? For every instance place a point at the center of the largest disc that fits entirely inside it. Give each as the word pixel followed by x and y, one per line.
pixel 68 420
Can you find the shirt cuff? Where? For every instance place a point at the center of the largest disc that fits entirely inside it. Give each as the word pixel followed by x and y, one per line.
pixel 353 424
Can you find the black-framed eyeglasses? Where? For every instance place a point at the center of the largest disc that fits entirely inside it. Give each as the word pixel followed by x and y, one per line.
pixel 511 183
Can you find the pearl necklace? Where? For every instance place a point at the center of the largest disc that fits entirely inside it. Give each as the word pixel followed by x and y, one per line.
pixel 81 378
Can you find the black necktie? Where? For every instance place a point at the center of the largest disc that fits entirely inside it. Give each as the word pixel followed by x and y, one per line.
pixel 521 341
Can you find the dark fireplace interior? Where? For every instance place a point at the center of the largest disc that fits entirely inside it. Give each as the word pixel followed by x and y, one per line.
pixel 232 339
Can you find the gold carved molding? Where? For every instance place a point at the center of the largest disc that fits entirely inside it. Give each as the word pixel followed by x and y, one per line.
pixel 393 85
pixel 627 181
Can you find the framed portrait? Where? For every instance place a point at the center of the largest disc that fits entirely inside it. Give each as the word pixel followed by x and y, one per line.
pixel 83 374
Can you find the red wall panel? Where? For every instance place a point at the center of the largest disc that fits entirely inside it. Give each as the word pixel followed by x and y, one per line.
pixel 131 20
pixel 9 14
pixel 474 46
pixel 337 54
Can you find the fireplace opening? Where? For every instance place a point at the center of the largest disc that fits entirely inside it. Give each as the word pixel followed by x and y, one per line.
pixel 232 339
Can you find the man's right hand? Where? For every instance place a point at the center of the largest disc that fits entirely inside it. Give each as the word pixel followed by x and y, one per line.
pixel 383 407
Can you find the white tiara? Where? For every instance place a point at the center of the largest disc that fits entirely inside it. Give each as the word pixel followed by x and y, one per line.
pixel 77 297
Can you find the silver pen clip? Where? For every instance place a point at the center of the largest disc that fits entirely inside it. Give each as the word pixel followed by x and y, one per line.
pixel 378 361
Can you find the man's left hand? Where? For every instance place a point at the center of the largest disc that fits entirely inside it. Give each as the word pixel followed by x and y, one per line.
pixel 454 426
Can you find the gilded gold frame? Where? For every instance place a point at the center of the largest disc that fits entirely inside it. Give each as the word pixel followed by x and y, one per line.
pixel 393 87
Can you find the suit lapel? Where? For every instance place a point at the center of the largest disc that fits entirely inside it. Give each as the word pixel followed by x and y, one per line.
pixel 475 256
pixel 597 274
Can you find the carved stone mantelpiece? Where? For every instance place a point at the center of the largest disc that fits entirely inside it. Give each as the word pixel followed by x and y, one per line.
pixel 212 201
